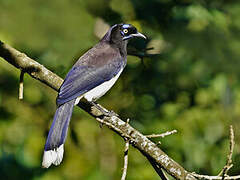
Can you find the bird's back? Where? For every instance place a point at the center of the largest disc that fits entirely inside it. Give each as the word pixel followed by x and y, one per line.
pixel 98 65
pixel 101 54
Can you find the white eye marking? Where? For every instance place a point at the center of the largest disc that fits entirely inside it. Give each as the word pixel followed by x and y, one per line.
pixel 125 31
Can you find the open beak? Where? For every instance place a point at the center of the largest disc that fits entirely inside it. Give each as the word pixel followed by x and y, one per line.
pixel 139 35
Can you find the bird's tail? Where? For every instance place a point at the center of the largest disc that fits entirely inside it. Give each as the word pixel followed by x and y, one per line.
pixel 53 151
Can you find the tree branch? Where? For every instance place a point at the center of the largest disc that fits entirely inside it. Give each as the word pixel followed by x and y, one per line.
pixel 136 139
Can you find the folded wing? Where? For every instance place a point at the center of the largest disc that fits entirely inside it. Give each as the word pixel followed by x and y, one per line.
pixel 83 78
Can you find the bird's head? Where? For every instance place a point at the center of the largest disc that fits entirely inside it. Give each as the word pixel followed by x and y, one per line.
pixel 122 32
pixel 128 31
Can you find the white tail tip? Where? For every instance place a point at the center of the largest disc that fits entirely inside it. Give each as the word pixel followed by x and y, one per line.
pixel 53 157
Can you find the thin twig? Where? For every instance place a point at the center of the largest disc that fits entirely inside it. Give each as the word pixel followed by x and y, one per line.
pixel 162 135
pixel 124 174
pixel 20 93
pixel 229 164
pixel 223 174
pixel 214 177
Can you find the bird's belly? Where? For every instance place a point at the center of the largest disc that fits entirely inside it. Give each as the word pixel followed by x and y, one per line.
pixel 100 90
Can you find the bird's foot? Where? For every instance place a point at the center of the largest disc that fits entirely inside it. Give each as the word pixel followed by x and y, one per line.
pixel 112 113
pixel 108 113
pixel 103 111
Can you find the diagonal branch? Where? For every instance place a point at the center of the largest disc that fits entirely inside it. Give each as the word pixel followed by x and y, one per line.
pixel 136 139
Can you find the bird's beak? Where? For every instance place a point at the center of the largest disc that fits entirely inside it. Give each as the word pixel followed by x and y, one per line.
pixel 138 34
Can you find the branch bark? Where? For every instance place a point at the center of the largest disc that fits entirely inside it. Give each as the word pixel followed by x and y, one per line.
pixel 124 174
pixel 135 138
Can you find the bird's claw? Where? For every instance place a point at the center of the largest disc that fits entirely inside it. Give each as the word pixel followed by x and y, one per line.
pixel 112 113
pixel 103 111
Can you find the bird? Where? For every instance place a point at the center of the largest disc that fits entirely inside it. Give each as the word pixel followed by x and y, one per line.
pixel 91 77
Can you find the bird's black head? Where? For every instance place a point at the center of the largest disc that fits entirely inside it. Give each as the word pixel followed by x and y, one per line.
pixel 119 33
pixel 128 31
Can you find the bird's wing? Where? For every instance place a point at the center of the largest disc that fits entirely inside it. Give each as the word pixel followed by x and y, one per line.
pixel 83 78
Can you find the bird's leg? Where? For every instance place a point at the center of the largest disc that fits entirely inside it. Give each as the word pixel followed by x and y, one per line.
pixel 100 109
pixel 104 112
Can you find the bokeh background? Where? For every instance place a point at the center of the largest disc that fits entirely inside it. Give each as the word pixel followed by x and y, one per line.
pixel 192 86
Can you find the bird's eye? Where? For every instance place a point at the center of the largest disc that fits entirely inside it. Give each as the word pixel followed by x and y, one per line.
pixel 125 31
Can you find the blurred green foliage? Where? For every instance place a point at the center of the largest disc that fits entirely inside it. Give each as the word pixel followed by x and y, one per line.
pixel 192 86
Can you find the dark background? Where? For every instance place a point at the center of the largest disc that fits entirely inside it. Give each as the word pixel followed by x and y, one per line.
pixel 192 86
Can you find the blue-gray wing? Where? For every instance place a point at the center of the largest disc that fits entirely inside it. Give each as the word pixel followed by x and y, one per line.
pixel 81 79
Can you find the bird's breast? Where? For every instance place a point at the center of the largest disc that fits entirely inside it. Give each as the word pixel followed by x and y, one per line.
pixel 100 90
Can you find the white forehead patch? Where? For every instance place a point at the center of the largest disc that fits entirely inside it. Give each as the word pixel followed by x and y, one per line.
pixel 125 26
